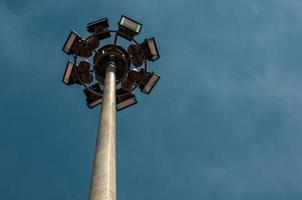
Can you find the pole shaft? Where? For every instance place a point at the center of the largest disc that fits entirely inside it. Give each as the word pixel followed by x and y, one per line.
pixel 103 181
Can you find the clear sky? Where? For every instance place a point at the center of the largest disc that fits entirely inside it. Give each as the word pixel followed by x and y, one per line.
pixel 223 123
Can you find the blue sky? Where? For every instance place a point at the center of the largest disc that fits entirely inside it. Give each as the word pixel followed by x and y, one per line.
pixel 224 122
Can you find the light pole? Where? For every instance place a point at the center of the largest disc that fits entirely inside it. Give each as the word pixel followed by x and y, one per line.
pixel 115 74
pixel 103 183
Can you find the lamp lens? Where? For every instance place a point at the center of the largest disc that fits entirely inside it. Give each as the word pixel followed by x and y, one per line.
pixel 95 103
pixel 150 84
pixel 152 48
pixel 128 23
pixel 126 103
pixel 68 72
pixel 70 42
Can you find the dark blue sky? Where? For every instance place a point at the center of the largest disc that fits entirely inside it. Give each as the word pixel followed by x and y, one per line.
pixel 224 122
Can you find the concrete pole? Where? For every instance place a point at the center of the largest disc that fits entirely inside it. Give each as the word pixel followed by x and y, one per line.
pixel 103 181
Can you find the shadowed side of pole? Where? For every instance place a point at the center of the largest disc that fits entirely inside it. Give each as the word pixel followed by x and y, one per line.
pixel 103 183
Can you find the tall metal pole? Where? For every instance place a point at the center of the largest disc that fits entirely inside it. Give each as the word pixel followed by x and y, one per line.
pixel 103 181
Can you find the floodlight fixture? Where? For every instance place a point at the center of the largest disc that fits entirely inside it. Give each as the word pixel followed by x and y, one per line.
pixel 135 75
pixel 150 50
pixel 101 23
pixel 86 77
pixel 99 28
pixel 133 49
pixel 148 82
pixel 69 77
pixel 128 28
pixel 83 72
pixel 137 61
pixel 93 42
pixel 94 95
pixel 85 50
pixel 127 84
pixel 125 101
pixel 72 43
pixel 84 66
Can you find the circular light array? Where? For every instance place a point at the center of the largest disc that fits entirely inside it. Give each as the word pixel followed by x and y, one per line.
pixel 90 60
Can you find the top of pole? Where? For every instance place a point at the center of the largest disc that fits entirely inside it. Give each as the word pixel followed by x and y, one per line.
pixel 90 60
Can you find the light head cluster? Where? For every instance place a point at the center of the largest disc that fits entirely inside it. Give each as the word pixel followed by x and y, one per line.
pixel 90 60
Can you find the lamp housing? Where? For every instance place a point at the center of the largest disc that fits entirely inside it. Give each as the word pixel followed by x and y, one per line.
pixel 128 28
pixel 99 28
pixel 148 82
pixel 94 95
pixel 84 66
pixel 125 100
pixel 85 77
pixel 150 49
pixel 135 75
pixel 72 43
pixel 70 76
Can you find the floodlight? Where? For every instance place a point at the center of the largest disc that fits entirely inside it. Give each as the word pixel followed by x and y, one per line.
pixel 85 51
pixel 137 61
pixel 69 77
pixel 94 95
pixel 128 28
pixel 93 42
pixel 95 25
pixel 86 77
pixel 99 28
pixel 133 49
pixel 84 66
pixel 72 43
pixel 125 101
pixel 148 82
pixel 150 50
pixel 134 75
pixel 127 84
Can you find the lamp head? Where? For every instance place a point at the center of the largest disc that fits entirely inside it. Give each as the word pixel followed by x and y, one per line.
pixel 148 82
pixel 72 43
pixel 150 50
pixel 69 76
pixel 99 28
pixel 94 95
pixel 124 100
pixel 128 28
pixel 135 75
